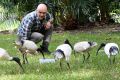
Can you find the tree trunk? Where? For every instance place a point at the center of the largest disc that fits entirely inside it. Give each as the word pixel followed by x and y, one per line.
pixel 104 10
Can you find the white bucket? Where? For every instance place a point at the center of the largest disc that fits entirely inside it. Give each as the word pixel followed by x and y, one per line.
pixel 47 60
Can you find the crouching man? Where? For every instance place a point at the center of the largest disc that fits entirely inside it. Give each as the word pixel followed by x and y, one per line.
pixel 37 26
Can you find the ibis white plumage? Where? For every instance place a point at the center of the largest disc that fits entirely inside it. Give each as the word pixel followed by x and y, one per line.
pixel 5 56
pixel 84 47
pixel 27 46
pixel 111 49
pixel 63 51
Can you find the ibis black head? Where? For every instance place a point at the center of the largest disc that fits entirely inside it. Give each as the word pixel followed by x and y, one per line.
pixel 16 59
pixel 102 45
pixel 92 44
pixel 40 50
pixel 68 42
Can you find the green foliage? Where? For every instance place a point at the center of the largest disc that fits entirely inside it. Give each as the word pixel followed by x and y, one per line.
pixel 8 21
pixel 117 11
pixel 9 25
pixel 64 11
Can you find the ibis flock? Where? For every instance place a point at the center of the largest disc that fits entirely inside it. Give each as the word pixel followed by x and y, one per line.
pixel 62 52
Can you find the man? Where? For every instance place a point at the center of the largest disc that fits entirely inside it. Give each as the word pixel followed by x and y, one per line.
pixel 37 26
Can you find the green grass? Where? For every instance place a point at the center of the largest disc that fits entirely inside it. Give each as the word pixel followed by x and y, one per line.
pixel 97 68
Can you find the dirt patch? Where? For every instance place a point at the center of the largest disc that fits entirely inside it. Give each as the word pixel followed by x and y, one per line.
pixel 93 29
pixel 90 29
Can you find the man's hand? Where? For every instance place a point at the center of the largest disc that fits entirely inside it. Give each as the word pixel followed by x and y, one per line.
pixel 48 25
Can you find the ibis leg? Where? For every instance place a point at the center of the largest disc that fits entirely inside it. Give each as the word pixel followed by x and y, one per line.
pixel 110 60
pixel 60 65
pixel 68 65
pixel 23 58
pixel 88 56
pixel 114 59
pixel 26 58
pixel 83 58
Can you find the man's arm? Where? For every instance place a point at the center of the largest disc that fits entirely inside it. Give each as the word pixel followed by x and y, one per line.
pixel 25 28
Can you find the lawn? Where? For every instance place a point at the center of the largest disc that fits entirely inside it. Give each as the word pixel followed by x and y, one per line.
pixel 96 68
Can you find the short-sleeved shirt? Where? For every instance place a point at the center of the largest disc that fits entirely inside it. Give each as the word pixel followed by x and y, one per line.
pixel 31 23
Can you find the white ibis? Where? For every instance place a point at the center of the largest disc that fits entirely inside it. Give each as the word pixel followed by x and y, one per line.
pixel 27 46
pixel 84 47
pixel 110 49
pixel 63 51
pixel 5 56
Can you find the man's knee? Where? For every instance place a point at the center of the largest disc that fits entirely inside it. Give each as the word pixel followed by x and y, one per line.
pixel 36 37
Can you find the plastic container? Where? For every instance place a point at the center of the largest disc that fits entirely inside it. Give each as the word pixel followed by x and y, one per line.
pixel 47 60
